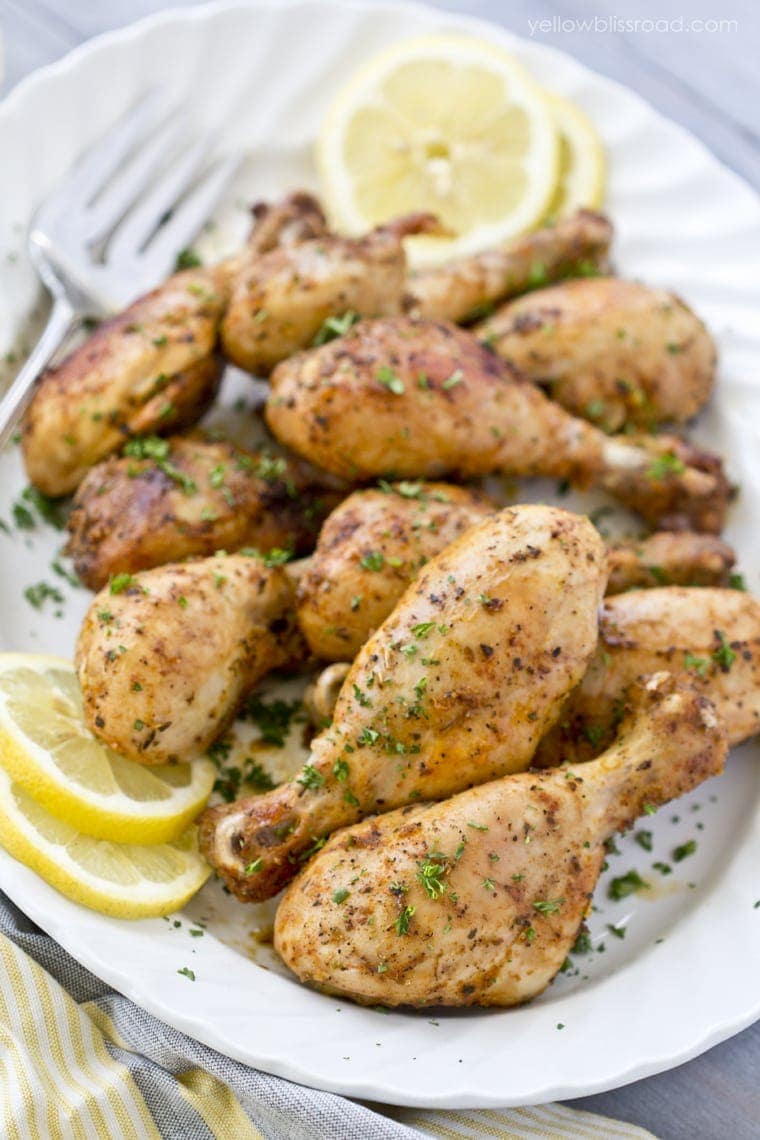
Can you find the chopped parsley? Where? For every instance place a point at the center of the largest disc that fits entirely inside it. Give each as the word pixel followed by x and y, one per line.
pixel 455 378
pixel 626 885
pixel 255 866
pixel 388 378
pixel 402 922
pixel 422 629
pixel 362 698
pixel 340 771
pixel 666 464
pixel 156 449
pixel 186 972
pixel 310 777
pixel 119 583
pixel 431 874
pixel 333 327
pixel 700 665
pixel 271 468
pixel 187 259
pixel 724 655
pixel 340 895
pixel 273 718
pixel 41 592
pixel 52 511
pixel 582 944
pixel 375 560
pixel 548 906
pixel 684 851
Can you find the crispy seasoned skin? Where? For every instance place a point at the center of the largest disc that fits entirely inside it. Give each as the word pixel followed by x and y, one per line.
pixel 279 302
pixel 152 368
pixel 423 399
pixel 463 289
pixel 371 547
pixel 164 662
pixel 713 634
pixel 669 559
pixel 616 352
pixel 192 498
pixel 448 904
pixel 455 688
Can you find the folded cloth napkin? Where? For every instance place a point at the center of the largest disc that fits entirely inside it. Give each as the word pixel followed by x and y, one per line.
pixel 80 1061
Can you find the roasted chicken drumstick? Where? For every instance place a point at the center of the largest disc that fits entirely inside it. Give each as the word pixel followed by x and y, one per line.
pixel 467 288
pixel 279 302
pixel 424 399
pixel 615 352
pixel 477 900
pixel 456 687
pixel 178 498
pixel 711 634
pixel 152 368
pixel 165 657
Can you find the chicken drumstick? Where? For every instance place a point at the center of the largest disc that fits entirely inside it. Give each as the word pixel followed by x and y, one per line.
pixel 615 352
pixel 712 634
pixel 165 657
pixel 496 880
pixel 421 399
pixel 456 687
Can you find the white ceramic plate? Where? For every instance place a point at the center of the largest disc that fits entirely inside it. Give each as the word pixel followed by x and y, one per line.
pixel 686 974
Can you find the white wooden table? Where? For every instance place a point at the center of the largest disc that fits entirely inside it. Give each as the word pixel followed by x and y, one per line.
pixel 708 80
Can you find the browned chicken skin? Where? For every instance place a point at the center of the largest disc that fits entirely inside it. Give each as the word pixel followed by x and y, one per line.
pixel 190 498
pixel 456 687
pixel 369 550
pixel 615 352
pixel 420 399
pixel 164 660
pixel 712 634
pixel 152 368
pixel 477 900
pixel 280 301
pixel 467 288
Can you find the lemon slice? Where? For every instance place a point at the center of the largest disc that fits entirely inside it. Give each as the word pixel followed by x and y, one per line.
pixel 123 880
pixel 46 748
pixel 449 124
pixel 582 162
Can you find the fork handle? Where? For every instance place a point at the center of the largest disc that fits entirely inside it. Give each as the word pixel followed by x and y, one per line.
pixel 61 322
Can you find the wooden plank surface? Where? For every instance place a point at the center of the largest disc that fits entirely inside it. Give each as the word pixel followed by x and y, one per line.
pixel 705 76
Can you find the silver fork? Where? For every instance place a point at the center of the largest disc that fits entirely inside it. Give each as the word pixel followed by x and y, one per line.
pixel 112 228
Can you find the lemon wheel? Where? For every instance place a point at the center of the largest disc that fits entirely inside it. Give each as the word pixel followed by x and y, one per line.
pixel 449 124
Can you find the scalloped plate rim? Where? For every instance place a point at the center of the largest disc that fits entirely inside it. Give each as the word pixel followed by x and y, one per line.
pixel 54 913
